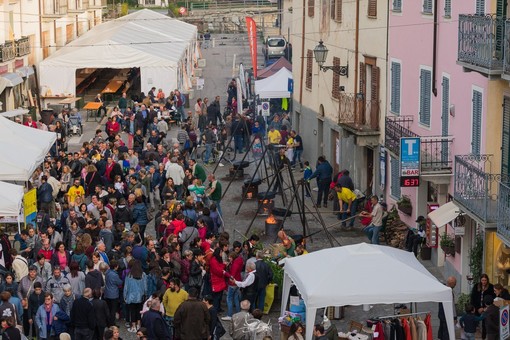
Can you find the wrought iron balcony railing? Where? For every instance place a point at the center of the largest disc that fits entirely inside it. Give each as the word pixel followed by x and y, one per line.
pixel 476 187
pixel 397 127
pixel 504 212
pixel 480 43
pixel 22 47
pixel 358 114
pixel 436 155
pixel 7 51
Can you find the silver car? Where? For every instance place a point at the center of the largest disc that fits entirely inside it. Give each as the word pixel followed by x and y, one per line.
pixel 275 47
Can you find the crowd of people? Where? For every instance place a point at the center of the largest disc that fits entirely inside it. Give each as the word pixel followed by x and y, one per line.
pixel 89 260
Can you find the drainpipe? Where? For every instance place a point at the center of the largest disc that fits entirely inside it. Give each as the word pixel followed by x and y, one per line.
pixel 434 51
pixel 356 50
pixel 40 28
pixel 302 56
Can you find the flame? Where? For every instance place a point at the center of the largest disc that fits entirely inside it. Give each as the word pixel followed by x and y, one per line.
pixel 271 220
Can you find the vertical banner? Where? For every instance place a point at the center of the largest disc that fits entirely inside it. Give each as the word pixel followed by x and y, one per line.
pixel 30 206
pixel 239 95
pixel 252 39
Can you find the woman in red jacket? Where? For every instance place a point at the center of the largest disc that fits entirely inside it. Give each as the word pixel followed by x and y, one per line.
pixel 235 267
pixel 218 277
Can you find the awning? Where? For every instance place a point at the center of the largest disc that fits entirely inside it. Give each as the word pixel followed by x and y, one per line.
pixel 14 113
pixel 444 214
pixel 9 80
pixel 25 71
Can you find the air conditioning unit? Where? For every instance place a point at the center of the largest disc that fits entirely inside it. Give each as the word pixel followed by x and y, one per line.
pixel 201 63
pixel 198 72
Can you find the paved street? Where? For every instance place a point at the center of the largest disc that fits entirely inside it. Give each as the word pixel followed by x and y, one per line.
pixel 217 74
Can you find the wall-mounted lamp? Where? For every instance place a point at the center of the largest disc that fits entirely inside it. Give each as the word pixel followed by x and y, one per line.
pixel 320 53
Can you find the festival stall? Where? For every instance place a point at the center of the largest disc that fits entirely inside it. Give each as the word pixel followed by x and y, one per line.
pixel 362 274
pixel 163 48
pixel 273 68
pixel 11 197
pixel 23 149
pixel 279 85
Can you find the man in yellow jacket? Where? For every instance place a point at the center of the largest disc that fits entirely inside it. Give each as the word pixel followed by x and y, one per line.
pixel 348 202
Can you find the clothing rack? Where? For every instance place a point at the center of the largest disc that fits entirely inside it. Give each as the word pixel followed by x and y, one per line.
pixel 401 315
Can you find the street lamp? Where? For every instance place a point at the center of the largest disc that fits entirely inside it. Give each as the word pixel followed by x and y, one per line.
pixel 320 53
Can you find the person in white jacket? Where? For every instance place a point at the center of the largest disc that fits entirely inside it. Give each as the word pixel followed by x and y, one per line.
pixel 176 172
pixel 19 265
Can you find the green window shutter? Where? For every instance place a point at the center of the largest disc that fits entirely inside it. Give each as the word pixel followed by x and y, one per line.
pixel 395 87
pixel 395 177
pixel 425 96
pixel 476 135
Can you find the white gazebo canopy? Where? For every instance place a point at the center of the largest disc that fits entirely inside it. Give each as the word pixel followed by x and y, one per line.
pixel 275 86
pixel 23 149
pixel 11 197
pixel 362 274
pixel 162 47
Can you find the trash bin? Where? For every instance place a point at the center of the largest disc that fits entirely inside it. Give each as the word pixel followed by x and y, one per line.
pixel 47 116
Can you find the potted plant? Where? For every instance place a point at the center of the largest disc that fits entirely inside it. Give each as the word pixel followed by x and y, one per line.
pixel 447 243
pixel 404 205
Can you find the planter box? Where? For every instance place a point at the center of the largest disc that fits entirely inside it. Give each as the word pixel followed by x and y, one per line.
pixel 406 209
pixel 449 251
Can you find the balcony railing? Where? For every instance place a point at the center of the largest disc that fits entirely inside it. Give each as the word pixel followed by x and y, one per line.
pixel 436 155
pixel 54 8
pixel 476 187
pixel 358 114
pixel 504 212
pixel 480 43
pixel 397 127
pixel 22 47
pixel 7 51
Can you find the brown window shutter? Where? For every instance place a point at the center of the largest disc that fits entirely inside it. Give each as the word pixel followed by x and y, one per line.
pixel 375 83
pixel 309 69
pixel 372 8
pixel 335 90
pixel 332 8
pixel 374 104
pixel 338 10
pixel 311 8
pixel 362 78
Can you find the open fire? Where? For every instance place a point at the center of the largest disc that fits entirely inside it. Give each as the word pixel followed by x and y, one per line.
pixel 273 225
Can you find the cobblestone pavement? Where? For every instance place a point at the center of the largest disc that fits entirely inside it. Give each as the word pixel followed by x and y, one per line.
pixel 217 74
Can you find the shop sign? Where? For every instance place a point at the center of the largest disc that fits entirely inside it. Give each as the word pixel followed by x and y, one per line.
pixel 18 63
pixel 460 231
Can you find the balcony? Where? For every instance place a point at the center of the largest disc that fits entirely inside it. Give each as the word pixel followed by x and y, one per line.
pixel 477 188
pixel 480 43
pixel 504 213
pixel 53 9
pixel 359 116
pixel 396 128
pixel 97 4
pixel 7 51
pixel 22 47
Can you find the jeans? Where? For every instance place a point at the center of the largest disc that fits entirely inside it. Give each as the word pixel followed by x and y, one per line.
pixel 218 206
pixel 83 334
pixel 323 191
pixel 238 142
pixel 297 157
pixel 170 323
pixel 469 336
pixel 372 233
pixel 233 300
pixel 261 298
pixel 346 215
pixel 217 296
pixel 113 307
pixel 208 150
pixel 180 109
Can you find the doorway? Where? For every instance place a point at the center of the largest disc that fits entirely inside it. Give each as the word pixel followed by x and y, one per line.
pixel 320 137
pixel 335 151
pixel 370 171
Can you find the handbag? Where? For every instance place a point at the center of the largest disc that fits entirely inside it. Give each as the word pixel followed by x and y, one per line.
pixel 219 330
pixel 196 281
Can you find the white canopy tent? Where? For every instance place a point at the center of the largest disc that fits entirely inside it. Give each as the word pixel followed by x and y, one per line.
pixel 14 113
pixel 275 86
pixel 362 274
pixel 162 47
pixel 11 197
pixel 23 149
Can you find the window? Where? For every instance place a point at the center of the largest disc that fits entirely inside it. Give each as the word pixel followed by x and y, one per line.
pixel 505 147
pixel 309 69
pixel 335 90
pixel 445 115
pixel 395 178
pixel 476 133
pixel 372 8
pixel 425 98
pixel 480 7
pixel 311 8
pixel 395 87
pixel 427 6
pixel 447 8
pixel 336 10
pixel 397 5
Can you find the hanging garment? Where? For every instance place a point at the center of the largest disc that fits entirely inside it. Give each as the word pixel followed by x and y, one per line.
pixel 285 104
pixel 412 325
pixel 406 328
pixel 428 323
pixel 421 329
pixel 379 331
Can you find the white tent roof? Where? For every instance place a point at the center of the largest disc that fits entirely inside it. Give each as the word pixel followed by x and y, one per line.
pixel 362 274
pixel 23 149
pixel 276 86
pixel 14 113
pixel 144 39
pixel 11 197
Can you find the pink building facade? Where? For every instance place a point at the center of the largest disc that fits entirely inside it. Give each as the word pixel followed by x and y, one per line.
pixel 432 96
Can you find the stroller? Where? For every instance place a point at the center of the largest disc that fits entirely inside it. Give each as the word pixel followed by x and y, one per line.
pixel 74 126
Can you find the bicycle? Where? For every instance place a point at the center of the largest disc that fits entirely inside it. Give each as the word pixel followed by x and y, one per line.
pixel 216 153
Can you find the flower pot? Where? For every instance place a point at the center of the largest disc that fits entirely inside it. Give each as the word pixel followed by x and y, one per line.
pixel 448 250
pixel 406 209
